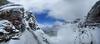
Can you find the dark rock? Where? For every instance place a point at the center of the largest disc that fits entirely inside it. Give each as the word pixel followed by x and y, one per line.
pixel 93 17
pixel 3 2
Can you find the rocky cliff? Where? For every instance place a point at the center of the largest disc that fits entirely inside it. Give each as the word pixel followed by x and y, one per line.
pixel 19 25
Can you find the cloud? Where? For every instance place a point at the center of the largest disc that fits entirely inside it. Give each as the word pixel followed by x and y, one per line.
pixel 65 35
pixel 35 5
pixel 59 9
pixel 71 9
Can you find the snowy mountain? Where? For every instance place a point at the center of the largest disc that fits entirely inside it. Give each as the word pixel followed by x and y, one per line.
pixel 18 26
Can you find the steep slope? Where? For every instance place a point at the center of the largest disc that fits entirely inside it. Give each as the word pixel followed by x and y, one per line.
pixel 18 26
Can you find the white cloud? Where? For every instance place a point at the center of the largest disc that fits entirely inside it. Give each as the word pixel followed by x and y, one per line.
pixel 70 10
pixel 44 25
pixel 66 35
pixel 60 9
pixel 35 5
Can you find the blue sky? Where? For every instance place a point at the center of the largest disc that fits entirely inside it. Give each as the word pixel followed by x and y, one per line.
pixel 43 18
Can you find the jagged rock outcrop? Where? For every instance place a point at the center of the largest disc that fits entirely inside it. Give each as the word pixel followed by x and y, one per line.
pixel 16 23
pixel 90 25
pixel 93 17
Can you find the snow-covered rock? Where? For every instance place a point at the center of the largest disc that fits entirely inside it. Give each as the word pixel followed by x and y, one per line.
pixel 18 26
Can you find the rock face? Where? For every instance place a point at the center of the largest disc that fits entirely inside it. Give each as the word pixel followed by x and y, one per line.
pixel 16 24
pixel 94 15
pixel 88 34
pixel 3 2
